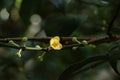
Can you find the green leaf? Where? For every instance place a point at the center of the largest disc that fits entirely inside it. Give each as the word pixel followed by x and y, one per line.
pixel 27 9
pixel 104 2
pixel 1 4
pixel 30 7
pixel 113 52
pixel 63 25
pixel 75 68
pixel 114 56
pixel 94 2
pixel 113 64
pixel 56 3
pixel 60 3
pixel 8 4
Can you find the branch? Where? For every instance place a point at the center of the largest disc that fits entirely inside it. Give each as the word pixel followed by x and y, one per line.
pixel 69 44
pixel 46 40
pixel 96 41
pixel 112 21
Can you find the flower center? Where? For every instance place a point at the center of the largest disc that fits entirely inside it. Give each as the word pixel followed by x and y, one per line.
pixel 55 44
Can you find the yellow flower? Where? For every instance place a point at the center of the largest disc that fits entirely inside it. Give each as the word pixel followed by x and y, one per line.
pixel 55 43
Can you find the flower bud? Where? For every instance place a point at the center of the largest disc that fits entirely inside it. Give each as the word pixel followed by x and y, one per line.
pixel 18 54
pixel 84 42
pixel 74 39
pixel 11 42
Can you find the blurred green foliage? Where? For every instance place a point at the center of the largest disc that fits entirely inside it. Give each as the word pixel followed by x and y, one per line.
pixel 81 18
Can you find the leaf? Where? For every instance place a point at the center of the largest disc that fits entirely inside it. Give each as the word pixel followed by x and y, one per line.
pixel 113 64
pixel 68 1
pixel 104 2
pixel 41 7
pixel 74 69
pixel 59 3
pixel 63 25
pixel 114 56
pixel 113 52
pixel 95 2
pixel 1 4
pixel 8 4
pixel 27 9
pixel 56 3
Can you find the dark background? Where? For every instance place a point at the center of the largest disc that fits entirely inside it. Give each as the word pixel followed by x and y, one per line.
pixel 44 18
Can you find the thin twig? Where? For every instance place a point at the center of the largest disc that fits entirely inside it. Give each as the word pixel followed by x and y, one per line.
pixel 96 41
pixel 112 21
